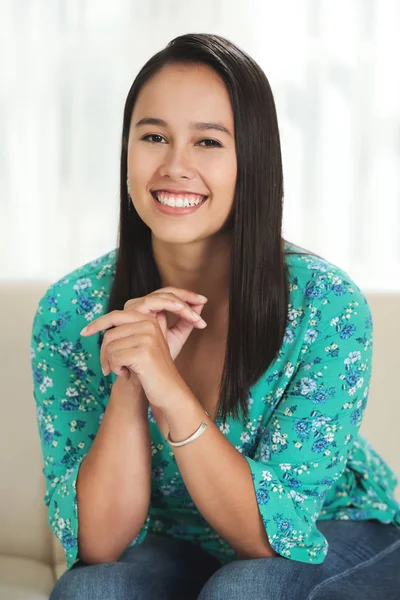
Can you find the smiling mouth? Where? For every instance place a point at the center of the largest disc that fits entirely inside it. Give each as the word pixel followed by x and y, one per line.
pixel 154 194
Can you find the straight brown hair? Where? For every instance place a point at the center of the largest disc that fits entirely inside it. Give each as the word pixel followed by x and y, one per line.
pixel 258 289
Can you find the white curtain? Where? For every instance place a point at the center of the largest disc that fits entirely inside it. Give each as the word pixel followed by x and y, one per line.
pixel 66 68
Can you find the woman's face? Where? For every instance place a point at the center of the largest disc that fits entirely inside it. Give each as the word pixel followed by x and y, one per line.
pixel 174 155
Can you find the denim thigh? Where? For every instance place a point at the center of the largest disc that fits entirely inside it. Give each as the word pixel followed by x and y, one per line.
pixel 362 563
pixel 160 568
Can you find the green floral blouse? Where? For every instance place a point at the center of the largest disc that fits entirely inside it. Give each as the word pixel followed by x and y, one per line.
pixel 301 437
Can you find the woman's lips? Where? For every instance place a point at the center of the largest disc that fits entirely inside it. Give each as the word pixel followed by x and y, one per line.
pixel 172 210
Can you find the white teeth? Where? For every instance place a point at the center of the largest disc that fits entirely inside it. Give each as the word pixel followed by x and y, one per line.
pixel 177 201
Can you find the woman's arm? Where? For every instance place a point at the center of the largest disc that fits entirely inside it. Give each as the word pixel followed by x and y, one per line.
pixel 114 481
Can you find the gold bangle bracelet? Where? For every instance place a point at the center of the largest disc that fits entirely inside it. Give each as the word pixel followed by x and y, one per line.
pixel 201 429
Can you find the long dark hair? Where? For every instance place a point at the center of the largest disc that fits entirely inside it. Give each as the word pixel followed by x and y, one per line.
pixel 258 289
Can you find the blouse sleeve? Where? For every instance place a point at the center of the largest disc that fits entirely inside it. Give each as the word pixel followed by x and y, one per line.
pixel 304 446
pixel 70 398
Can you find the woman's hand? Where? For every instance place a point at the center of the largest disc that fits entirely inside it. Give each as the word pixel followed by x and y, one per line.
pixel 141 347
pixel 176 300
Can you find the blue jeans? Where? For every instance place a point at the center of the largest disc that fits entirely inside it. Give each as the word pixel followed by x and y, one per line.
pixel 362 563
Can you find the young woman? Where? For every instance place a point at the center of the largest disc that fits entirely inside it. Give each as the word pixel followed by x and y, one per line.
pixel 219 460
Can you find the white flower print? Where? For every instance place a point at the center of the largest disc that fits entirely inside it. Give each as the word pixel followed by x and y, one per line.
pixel 353 358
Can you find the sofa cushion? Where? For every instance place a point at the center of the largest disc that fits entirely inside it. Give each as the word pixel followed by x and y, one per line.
pixel 16 593
pixel 25 578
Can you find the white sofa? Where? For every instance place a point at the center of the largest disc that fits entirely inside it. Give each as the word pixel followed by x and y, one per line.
pixel 31 557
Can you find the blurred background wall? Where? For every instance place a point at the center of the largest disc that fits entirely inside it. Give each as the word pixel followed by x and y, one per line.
pixel 67 66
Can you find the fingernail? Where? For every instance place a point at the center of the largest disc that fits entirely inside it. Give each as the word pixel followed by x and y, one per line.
pixel 202 323
pixel 104 373
pixel 202 297
pixel 84 331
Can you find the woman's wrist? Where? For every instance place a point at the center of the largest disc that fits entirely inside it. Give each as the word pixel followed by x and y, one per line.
pixel 123 392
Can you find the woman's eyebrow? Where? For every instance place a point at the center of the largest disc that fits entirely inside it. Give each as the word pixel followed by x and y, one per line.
pixel 199 126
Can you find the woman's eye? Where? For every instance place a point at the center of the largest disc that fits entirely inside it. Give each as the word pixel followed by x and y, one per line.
pixel 156 135
pixel 214 142
pixel 151 135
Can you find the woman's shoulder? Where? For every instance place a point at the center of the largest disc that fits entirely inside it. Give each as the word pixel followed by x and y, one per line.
pixel 94 273
pixel 87 286
pixel 315 281
pixel 75 299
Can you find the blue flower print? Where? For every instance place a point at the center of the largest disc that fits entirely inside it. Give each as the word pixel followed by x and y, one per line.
pixel 347 332
pixel 262 496
pixel 320 445
pixel 306 456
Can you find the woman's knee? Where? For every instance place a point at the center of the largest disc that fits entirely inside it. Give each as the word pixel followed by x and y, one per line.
pixel 94 582
pixel 275 578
